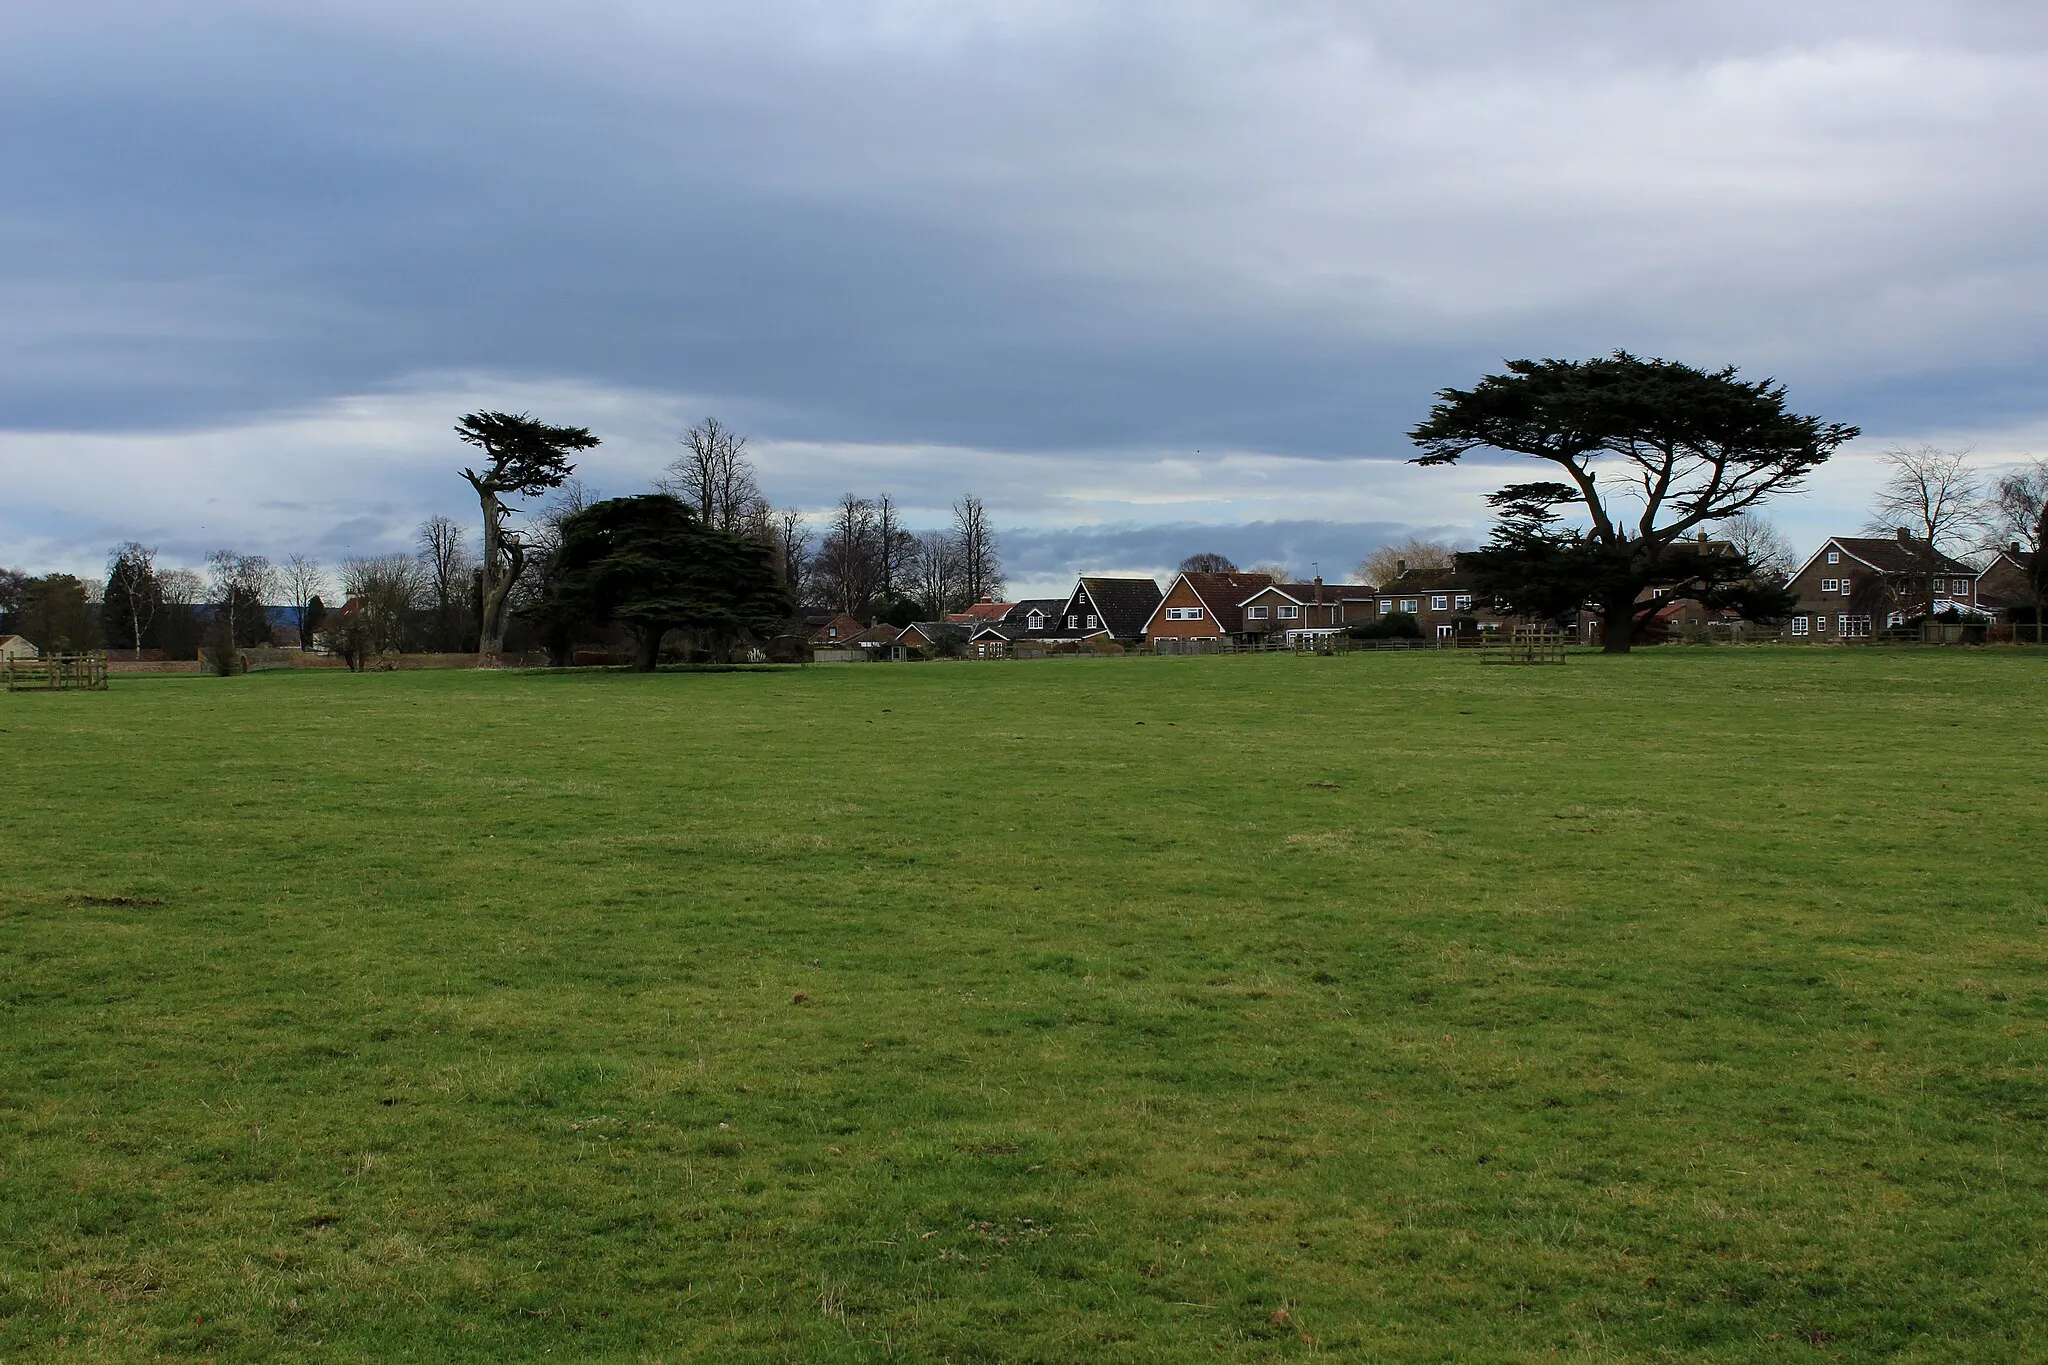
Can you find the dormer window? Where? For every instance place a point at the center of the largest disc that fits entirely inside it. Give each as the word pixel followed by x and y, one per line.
pixel 1035 621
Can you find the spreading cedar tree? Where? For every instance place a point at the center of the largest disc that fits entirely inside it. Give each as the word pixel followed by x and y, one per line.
pixel 649 563
pixel 522 458
pixel 1680 448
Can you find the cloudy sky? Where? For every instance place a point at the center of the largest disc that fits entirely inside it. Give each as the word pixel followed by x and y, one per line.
pixel 1147 277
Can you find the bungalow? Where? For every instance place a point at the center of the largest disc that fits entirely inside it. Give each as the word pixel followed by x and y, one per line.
pixel 1855 585
pixel 17 647
pixel 1201 611
pixel 982 613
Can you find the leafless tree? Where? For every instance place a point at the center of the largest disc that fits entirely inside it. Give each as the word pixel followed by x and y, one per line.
pixel 846 569
pixel 180 587
pixel 1208 561
pixel 715 477
pixel 386 591
pixel 2017 500
pixel 302 579
pixel 935 577
pixel 239 586
pixel 1936 497
pixel 1271 569
pixel 1414 555
pixel 1756 539
pixel 981 567
pixel 792 541
pixel 445 559
pixel 894 548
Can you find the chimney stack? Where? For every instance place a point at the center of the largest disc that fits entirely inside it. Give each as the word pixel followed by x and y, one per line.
pixel 1400 567
pixel 1905 536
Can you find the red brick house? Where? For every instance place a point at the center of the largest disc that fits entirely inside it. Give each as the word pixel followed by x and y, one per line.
pixel 2006 588
pixel 1443 602
pixel 1313 608
pixel 1200 611
pixel 837 633
pixel 1856 586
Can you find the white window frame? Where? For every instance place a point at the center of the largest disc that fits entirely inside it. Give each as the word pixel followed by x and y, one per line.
pixel 1254 613
pixel 1035 621
pixel 1830 584
pixel 1799 625
pixel 1834 556
pixel 1440 602
pixel 1093 622
pixel 1463 601
pixel 1410 604
pixel 1183 613
pixel 1073 623
pixel 1386 606
pixel 1443 632
pixel 1289 612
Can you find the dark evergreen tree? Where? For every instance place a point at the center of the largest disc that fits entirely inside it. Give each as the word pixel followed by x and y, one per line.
pixel 1690 447
pixel 524 458
pixel 650 564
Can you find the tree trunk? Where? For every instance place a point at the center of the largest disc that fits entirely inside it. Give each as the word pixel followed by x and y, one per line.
pixel 502 562
pixel 1617 626
pixel 649 653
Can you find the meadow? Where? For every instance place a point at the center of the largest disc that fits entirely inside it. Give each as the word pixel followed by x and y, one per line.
pixel 1683 1006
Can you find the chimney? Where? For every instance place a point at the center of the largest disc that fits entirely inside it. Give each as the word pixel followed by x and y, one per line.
pixel 1905 536
pixel 1319 590
pixel 1703 537
pixel 2014 548
pixel 1400 567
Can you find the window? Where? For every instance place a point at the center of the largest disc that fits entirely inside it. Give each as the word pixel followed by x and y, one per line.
pixel 1830 584
pixel 1852 627
pixel 1255 613
pixel 1820 625
pixel 1464 602
pixel 1036 621
pixel 1443 632
pixel 1799 625
pixel 1288 611
pixel 1440 602
pixel 1834 556
pixel 1845 587
pixel 1408 604
pixel 1386 605
pixel 1093 623
pixel 1183 613
pixel 1073 623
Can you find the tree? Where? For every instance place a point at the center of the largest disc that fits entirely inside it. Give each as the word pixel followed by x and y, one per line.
pixel 894 549
pixel 311 617
pixel 1938 499
pixel 523 458
pixel 981 566
pixel 935 577
pixel 2017 501
pixel 1272 569
pixel 649 563
pixel 847 569
pixel 714 477
pixel 1390 561
pixel 129 606
pixel 1762 546
pixel 792 540
pixel 303 580
pixel 385 593
pixel 1687 447
pixel 56 613
pixel 1208 561
pixel 447 567
pixel 238 588
pixel 179 630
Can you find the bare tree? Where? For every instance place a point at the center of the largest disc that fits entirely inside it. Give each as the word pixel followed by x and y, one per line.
pixel 2017 500
pixel 239 586
pixel 981 567
pixel 1938 499
pixel 302 579
pixel 1271 569
pixel 935 576
pixel 792 541
pixel 715 477
pixel 1208 561
pixel 446 561
pixel 894 547
pixel 1760 542
pixel 1412 555
pixel 386 592
pixel 846 568
pixel 180 588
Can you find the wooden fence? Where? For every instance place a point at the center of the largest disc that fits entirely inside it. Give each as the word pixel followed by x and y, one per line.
pixel 1525 647
pixel 58 673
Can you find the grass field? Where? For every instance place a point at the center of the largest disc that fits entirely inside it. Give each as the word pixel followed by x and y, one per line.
pixel 1682 1006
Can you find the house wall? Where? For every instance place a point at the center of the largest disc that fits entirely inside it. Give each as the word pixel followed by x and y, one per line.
pixel 1181 596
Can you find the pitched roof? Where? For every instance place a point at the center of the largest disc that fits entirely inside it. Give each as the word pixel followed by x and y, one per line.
pixel 1890 554
pixel 1220 593
pixel 1426 580
pixel 838 631
pixel 880 633
pixel 1311 592
pixel 1124 604
pixel 983 611
pixel 1047 607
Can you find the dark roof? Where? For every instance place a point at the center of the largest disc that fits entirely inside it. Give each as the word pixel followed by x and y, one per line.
pixel 1890 554
pixel 1048 607
pixel 1432 580
pixel 1124 604
pixel 1329 592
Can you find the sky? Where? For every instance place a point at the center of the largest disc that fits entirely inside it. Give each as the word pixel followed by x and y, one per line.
pixel 1147 278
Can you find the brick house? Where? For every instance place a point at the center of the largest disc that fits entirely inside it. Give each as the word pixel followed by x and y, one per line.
pixel 1443 602
pixel 2006 587
pixel 1201 611
pixel 1855 586
pixel 837 633
pixel 1313 608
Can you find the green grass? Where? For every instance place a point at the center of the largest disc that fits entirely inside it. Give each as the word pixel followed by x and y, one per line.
pixel 1682 1006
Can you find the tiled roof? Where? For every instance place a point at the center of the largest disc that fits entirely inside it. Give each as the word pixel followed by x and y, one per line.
pixel 1892 555
pixel 1124 604
pixel 1222 592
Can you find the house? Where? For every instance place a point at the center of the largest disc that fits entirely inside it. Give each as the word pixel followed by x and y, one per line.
pixel 837 633
pixel 925 634
pixel 1854 586
pixel 1199 612
pixel 17 647
pixel 2006 587
pixel 1298 609
pixel 1118 606
pixel 984 612
pixel 880 634
pixel 1444 603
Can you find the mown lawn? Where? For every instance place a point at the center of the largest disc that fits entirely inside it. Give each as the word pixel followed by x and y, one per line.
pixel 1683 1006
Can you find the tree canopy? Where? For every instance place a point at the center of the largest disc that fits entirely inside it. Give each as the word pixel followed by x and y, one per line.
pixel 649 563
pixel 525 458
pixel 1682 447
